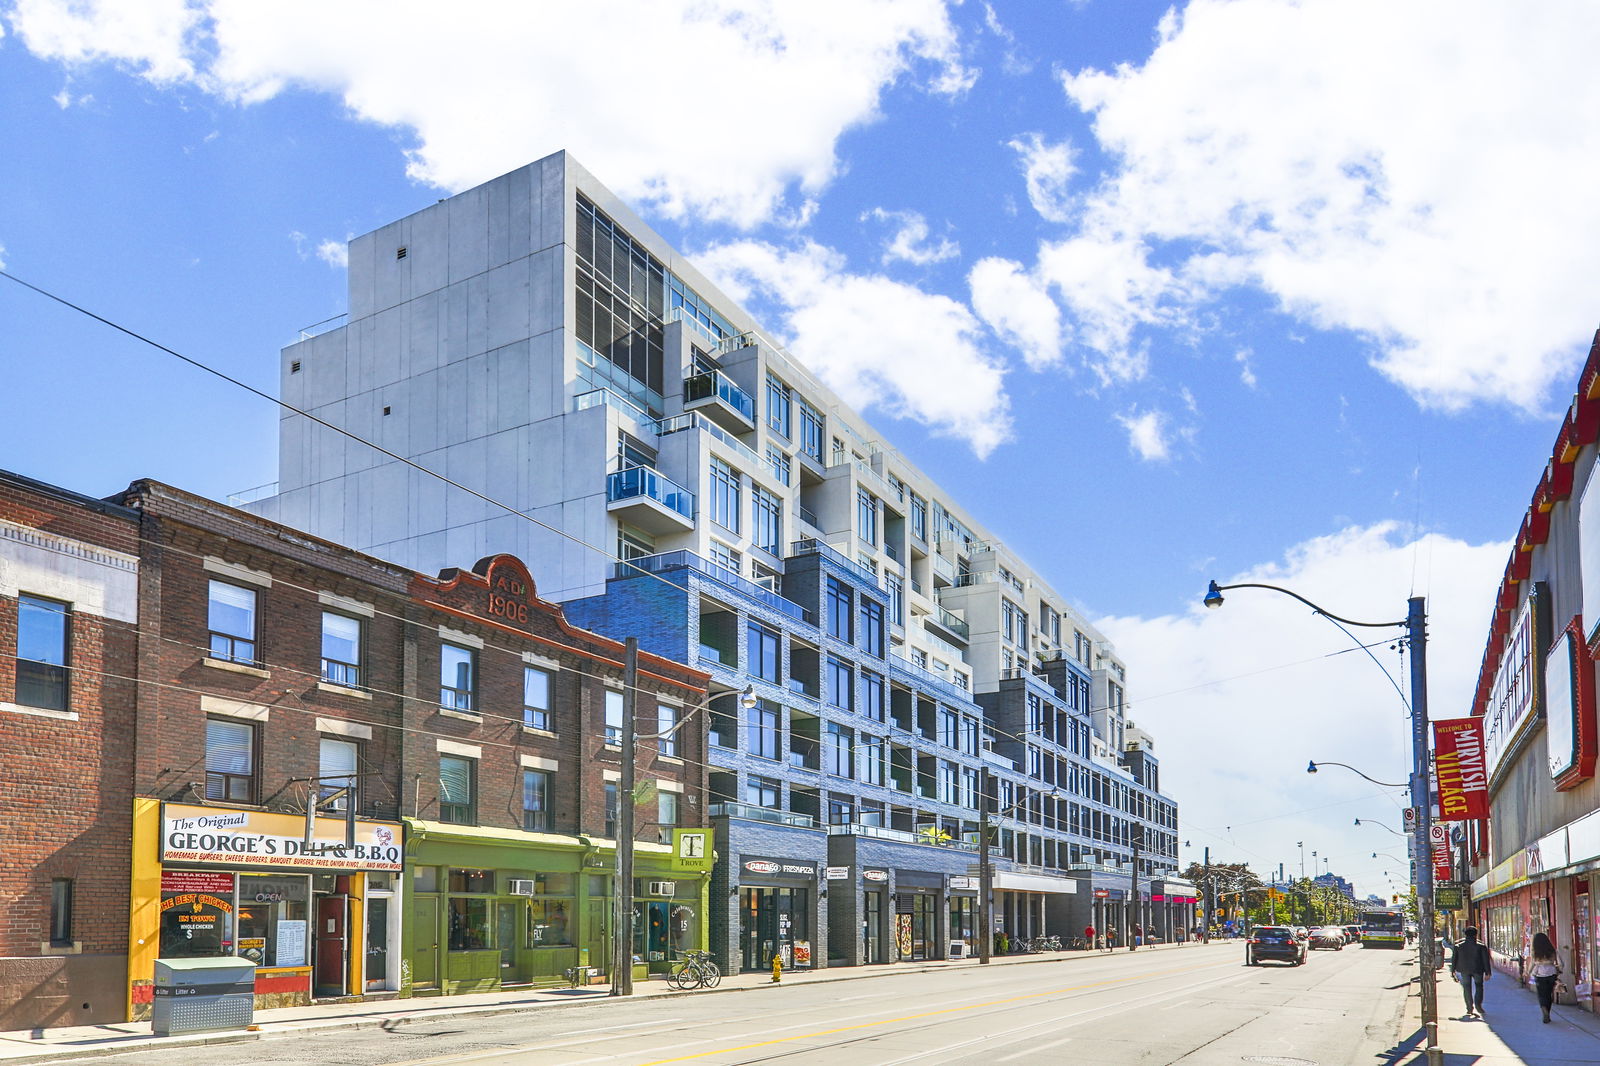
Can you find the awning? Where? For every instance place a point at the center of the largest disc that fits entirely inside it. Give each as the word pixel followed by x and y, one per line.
pixel 1016 882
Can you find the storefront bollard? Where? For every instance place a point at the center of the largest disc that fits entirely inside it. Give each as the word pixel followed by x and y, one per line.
pixel 777 968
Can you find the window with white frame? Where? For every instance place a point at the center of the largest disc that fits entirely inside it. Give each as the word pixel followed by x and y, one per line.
pixel 667 728
pixel 778 462
pixel 458 789
pixel 341 649
pixel 231 619
pixel 866 516
pixel 777 405
pixel 338 772
pixel 766 520
pixel 458 671
pixel 537 712
pixel 810 429
pixel 724 495
pixel 613 717
pixel 536 795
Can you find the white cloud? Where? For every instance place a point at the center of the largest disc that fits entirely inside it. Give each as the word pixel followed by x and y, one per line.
pixel 150 37
pixel 718 107
pixel 1147 434
pixel 1247 373
pixel 1262 686
pixel 1048 170
pixel 911 241
pixel 875 341
pixel 335 253
pixel 1017 308
pixel 1406 172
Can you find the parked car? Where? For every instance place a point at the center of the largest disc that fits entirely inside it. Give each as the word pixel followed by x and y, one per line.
pixel 1277 942
pixel 1352 934
pixel 1328 936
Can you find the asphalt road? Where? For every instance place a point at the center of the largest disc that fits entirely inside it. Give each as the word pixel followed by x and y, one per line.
pixel 1195 1007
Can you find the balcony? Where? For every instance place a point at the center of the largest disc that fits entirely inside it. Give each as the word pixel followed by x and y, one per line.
pixel 862 577
pixel 878 832
pixel 721 400
pixel 687 560
pixel 949 623
pixel 652 501
pixel 752 813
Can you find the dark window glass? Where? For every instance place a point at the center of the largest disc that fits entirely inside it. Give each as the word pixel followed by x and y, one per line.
pixel 61 912
pixel 762 725
pixel 536 801
pixel 458 787
pixel 872 627
pixel 765 661
pixel 841 683
pixel 838 609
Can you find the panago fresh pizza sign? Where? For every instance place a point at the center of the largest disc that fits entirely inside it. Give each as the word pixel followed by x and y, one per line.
pixel 272 840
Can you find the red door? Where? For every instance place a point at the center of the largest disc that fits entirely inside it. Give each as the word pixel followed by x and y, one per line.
pixel 330 945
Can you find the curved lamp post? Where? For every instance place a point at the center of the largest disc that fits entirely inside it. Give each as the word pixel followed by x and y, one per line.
pixel 1416 640
pixel 1380 825
pixel 1315 766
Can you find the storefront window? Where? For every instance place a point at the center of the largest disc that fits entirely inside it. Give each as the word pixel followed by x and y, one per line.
pixel 195 924
pixel 469 924
pixel 427 879
pixel 472 880
pixel 272 920
pixel 548 923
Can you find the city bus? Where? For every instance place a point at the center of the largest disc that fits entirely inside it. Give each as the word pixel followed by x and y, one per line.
pixel 1383 929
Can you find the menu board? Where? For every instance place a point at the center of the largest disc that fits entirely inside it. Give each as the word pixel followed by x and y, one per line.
pixel 291 943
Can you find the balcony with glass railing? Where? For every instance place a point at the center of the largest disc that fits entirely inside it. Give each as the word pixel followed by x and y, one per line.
pixel 666 562
pixel 651 500
pixel 752 813
pixel 863 577
pixel 878 832
pixel 949 623
pixel 725 403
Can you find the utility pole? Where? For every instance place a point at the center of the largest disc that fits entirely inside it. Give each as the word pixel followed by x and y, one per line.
pixel 985 871
pixel 1205 929
pixel 1133 890
pixel 1417 642
pixel 622 944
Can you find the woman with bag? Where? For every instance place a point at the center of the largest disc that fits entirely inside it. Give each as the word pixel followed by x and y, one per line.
pixel 1545 971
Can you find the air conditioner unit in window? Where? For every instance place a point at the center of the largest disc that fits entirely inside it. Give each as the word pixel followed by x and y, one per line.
pixel 662 888
pixel 521 888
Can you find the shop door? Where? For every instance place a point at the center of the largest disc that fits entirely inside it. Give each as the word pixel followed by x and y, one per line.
pixel 597 934
pixel 758 927
pixel 330 945
pixel 657 922
pixel 1581 932
pixel 923 931
pixel 377 968
pixel 424 941
pixel 872 929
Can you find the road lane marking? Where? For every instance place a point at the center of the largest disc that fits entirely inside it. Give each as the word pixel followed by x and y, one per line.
pixel 929 1014
pixel 1029 1052
pixel 589 1034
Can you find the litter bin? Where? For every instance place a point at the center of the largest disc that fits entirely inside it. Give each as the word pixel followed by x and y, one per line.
pixel 195 995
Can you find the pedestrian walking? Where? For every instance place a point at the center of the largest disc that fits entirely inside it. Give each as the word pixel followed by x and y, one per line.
pixel 1469 964
pixel 1088 937
pixel 1111 938
pixel 1138 937
pixel 1545 972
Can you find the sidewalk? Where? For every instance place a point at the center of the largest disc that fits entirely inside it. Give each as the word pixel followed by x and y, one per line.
pixel 1509 1034
pixel 43 1045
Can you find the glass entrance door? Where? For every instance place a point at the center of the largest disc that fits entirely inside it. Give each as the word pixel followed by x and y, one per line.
pixel 872 929
pixel 771 922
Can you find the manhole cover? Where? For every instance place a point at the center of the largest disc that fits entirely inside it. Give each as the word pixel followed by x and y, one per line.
pixel 1279 1060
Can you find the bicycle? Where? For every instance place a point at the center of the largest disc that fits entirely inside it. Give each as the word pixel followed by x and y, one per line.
pixel 694 970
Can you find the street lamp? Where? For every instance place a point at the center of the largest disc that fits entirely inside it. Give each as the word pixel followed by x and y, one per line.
pixel 1416 640
pixel 1380 825
pixel 622 948
pixel 1311 769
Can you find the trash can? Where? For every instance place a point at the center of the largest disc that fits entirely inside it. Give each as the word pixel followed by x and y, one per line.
pixel 196 995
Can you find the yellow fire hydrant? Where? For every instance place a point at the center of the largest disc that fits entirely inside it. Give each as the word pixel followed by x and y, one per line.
pixel 777 968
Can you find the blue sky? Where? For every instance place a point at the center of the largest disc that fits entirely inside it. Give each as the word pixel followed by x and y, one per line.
pixel 1252 290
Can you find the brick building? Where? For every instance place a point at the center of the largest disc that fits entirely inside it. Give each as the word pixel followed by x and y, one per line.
pixel 68 632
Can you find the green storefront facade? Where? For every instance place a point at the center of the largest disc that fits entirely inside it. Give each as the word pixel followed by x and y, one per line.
pixel 493 908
